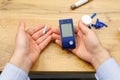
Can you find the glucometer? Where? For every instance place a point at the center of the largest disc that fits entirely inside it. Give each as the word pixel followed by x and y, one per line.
pixel 67 34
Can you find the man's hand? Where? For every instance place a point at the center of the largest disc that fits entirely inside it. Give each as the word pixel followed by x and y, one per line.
pixel 28 46
pixel 88 47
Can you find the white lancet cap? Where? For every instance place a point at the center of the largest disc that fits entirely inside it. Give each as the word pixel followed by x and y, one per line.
pixel 86 19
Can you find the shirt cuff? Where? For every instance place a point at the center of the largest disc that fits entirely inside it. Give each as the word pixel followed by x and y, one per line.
pixel 12 72
pixel 109 70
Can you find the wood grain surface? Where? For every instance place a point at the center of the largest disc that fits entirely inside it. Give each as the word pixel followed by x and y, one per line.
pixel 48 12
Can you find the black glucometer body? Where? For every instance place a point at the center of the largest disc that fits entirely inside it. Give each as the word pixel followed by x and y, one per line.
pixel 67 34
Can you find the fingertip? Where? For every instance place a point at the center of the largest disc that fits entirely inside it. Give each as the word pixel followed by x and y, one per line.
pixel 58 42
pixel 21 25
pixel 56 30
pixel 53 36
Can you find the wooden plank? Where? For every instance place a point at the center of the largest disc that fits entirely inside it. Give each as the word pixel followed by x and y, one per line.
pixel 48 12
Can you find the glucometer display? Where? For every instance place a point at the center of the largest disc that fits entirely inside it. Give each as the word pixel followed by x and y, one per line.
pixel 66 30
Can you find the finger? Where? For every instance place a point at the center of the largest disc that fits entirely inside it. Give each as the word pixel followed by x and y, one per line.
pixel 41 39
pixel 57 31
pixel 39 33
pixel 55 36
pixel 45 42
pixel 83 27
pixel 35 29
pixel 21 26
pixel 76 29
pixel 80 34
pixel 58 42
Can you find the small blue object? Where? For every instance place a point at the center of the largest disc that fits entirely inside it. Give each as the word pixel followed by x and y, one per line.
pixel 89 26
pixel 98 24
pixel 94 14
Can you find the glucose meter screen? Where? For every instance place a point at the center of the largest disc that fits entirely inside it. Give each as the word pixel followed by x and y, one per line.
pixel 67 30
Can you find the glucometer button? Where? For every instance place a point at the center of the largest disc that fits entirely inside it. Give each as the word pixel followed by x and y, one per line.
pixel 71 42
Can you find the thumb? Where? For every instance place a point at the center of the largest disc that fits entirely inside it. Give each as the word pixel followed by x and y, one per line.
pixel 21 27
pixel 83 27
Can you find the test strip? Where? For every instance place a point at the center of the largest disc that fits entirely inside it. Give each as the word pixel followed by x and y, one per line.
pixel 44 30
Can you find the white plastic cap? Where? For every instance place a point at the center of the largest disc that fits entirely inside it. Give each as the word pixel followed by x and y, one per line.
pixel 86 19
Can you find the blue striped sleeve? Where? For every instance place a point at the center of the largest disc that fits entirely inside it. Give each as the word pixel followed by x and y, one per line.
pixel 11 72
pixel 109 70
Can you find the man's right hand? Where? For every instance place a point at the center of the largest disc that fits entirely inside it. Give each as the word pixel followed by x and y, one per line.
pixel 88 47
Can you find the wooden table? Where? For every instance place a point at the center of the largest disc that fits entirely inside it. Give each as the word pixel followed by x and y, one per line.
pixel 48 12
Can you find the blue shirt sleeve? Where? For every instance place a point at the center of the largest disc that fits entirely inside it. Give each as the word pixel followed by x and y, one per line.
pixel 11 72
pixel 109 70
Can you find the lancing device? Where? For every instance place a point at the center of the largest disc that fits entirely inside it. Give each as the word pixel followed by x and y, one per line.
pixel 79 3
